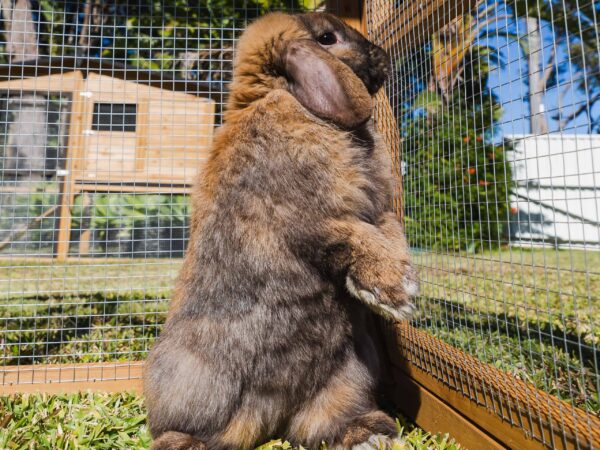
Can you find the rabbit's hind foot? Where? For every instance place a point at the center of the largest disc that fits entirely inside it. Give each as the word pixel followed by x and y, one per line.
pixel 377 442
pixel 381 442
pixel 372 431
pixel 174 440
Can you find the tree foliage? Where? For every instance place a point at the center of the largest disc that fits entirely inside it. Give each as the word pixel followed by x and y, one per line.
pixel 161 35
pixel 457 181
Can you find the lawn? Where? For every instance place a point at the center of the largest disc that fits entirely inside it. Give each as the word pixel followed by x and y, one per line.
pixel 118 421
pixel 541 288
pixel 535 314
pixel 46 279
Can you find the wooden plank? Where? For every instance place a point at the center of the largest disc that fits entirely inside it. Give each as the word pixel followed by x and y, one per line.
pixel 143 132
pixel 33 260
pixel 412 22
pixel 135 386
pixel 67 182
pixel 179 139
pixel 511 436
pixel 436 416
pixel 141 187
pixel 512 411
pixel 54 378
pixel 66 82
pixel 350 11
pixel 110 155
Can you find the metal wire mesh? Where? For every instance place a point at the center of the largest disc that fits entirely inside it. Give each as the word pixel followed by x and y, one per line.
pixel 107 110
pixel 497 108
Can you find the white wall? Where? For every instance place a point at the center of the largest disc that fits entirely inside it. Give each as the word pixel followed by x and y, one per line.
pixel 558 185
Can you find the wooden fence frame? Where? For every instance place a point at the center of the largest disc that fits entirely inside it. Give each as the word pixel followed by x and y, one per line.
pixel 427 378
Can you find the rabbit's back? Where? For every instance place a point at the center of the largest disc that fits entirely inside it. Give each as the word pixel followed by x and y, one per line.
pixel 252 315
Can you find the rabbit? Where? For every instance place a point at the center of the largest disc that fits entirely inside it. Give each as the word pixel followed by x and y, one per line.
pixel 292 242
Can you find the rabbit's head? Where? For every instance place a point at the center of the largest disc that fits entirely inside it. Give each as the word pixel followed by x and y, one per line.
pixel 330 68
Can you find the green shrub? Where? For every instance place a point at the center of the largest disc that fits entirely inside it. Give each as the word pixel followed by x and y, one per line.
pixel 148 225
pixel 457 181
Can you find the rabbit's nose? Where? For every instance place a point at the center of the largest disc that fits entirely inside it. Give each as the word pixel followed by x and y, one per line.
pixel 379 68
pixel 379 57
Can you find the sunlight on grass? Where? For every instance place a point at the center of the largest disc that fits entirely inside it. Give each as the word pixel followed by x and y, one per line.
pixel 535 314
pixel 114 421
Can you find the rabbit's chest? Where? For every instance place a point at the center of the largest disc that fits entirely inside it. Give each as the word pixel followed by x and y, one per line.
pixel 367 177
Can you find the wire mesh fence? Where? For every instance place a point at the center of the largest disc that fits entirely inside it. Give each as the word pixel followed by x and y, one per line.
pixel 498 115
pixel 107 112
pixel 108 108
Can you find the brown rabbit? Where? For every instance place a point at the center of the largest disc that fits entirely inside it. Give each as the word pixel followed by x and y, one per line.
pixel 291 237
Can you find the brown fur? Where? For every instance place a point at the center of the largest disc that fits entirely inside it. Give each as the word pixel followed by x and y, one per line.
pixel 242 431
pixel 173 440
pixel 359 431
pixel 325 414
pixel 262 338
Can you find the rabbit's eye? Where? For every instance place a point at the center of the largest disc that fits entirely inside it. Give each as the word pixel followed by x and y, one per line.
pixel 327 39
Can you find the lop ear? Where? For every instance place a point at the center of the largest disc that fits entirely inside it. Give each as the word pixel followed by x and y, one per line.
pixel 325 85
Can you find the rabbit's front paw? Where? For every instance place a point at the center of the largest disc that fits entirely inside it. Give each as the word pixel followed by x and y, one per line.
pixel 393 302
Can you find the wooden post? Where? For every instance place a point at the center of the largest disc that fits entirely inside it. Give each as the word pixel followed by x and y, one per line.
pixel 86 230
pixel 67 183
pixel 351 11
pixel 66 195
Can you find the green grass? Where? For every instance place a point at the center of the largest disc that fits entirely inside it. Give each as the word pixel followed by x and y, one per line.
pixel 118 421
pixel 46 279
pixel 543 288
pixel 82 329
pixel 549 368
pixel 535 314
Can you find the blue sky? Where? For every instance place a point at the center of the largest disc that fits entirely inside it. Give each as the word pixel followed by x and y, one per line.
pixel 509 83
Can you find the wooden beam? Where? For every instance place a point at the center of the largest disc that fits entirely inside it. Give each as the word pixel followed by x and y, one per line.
pixel 350 11
pixel 513 412
pixel 145 188
pixel 412 22
pixel 67 180
pixel 436 416
pixel 55 378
